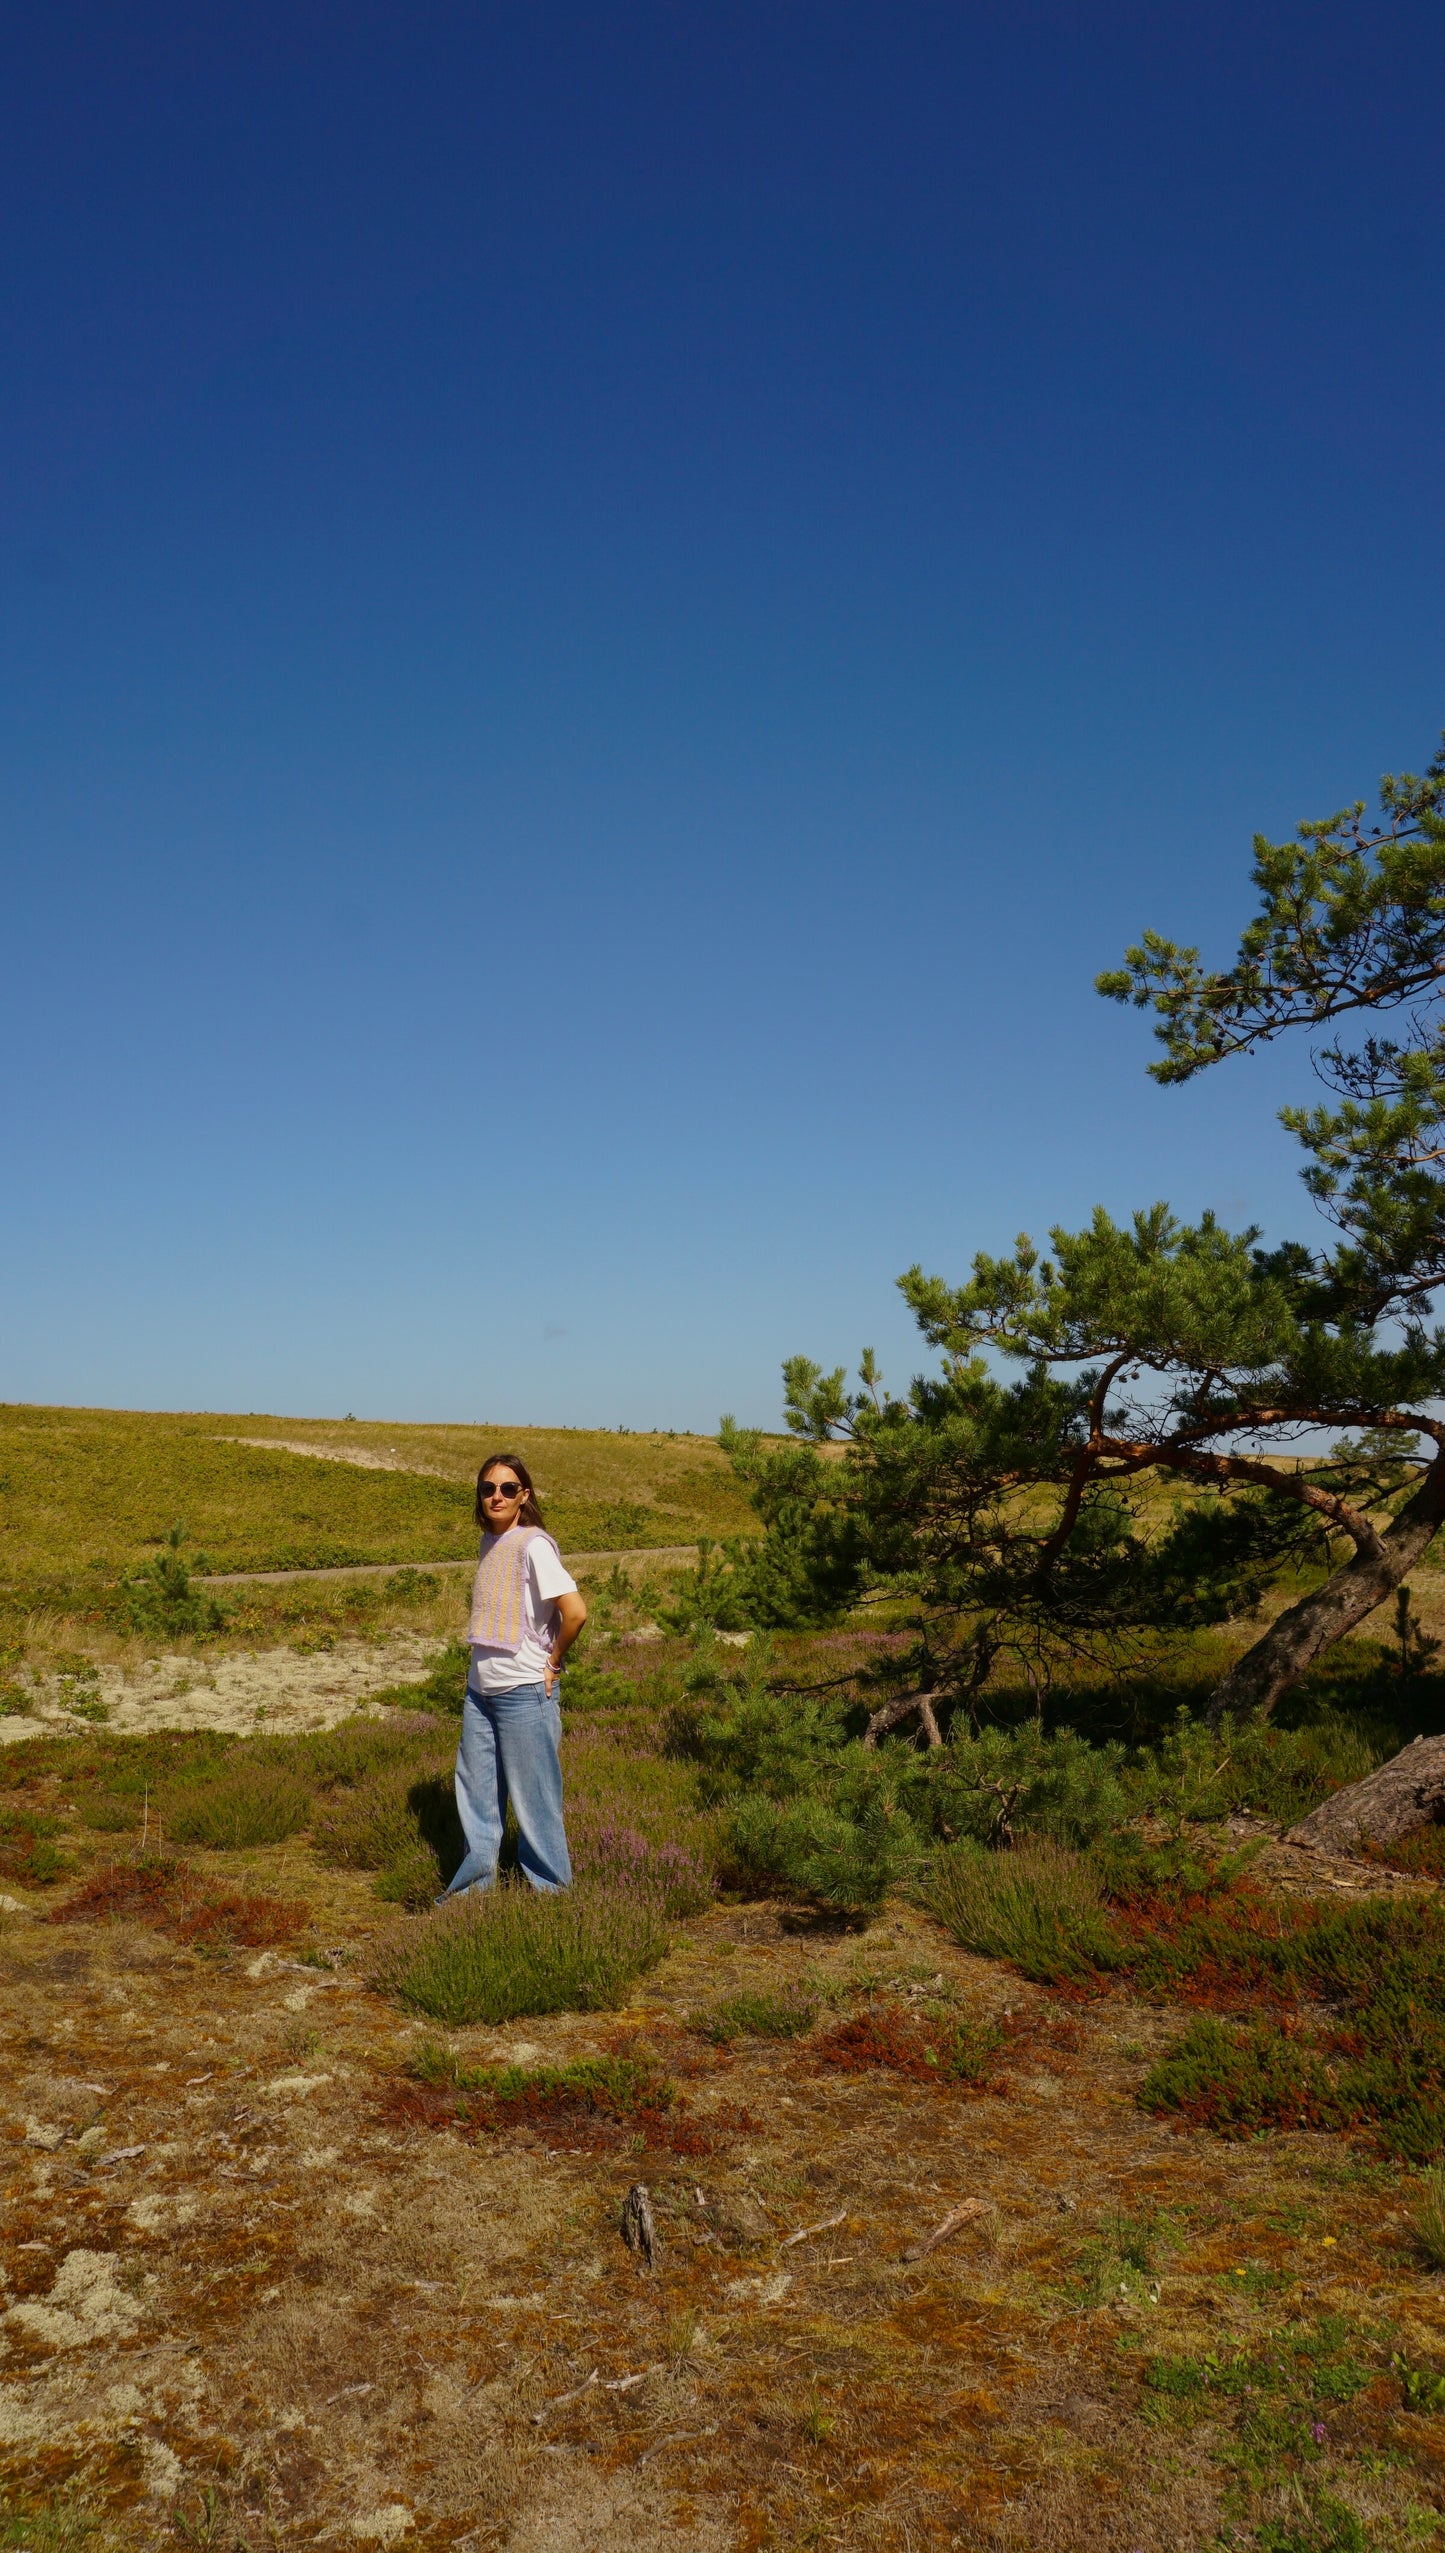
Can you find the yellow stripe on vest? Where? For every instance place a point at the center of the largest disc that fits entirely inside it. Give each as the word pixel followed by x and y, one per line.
pixel 499 1589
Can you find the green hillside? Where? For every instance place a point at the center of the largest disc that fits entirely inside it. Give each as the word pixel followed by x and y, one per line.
pixel 85 1494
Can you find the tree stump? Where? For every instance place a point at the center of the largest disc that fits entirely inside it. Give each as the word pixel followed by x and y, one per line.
pixel 1404 1795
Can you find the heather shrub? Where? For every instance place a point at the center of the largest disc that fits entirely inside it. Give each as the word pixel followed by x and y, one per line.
pixel 244 1805
pixel 412 1877
pixel 400 1821
pixel 355 1749
pixel 514 1951
pixel 610 1854
pixel 442 1690
pixel 788 2015
pixel 1039 1906
pixel 110 1812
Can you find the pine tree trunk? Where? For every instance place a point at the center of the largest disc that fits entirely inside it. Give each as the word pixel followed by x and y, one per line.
pixel 1294 1640
pixel 1404 1795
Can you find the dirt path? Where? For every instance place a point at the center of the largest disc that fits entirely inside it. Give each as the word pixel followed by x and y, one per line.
pixel 672 1555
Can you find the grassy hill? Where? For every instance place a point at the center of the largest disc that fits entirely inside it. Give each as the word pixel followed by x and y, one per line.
pixel 86 1494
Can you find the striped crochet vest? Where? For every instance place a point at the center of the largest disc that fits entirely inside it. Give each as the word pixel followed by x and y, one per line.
pixel 499 1589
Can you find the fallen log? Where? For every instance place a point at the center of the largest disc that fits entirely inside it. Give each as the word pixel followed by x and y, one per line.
pixel 1404 1795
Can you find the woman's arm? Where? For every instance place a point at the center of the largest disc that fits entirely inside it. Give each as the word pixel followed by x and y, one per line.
pixel 571 1614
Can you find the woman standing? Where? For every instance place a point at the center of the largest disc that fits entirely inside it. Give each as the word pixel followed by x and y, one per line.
pixel 526 1613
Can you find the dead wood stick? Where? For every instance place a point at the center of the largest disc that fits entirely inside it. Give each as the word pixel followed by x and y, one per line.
pixel 964 2215
pixel 558 2399
pixel 639 2232
pixel 805 2232
pixel 675 2438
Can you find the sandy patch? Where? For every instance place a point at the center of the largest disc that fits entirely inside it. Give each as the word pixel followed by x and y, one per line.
pixel 363 1457
pixel 268 1688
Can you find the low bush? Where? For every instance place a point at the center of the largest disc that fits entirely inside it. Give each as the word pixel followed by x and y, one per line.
pixel 368 1824
pixel 514 1951
pixel 1160 1882
pixel 789 2015
pixel 1422 1854
pixel 1379 2056
pixel 1196 1773
pixel 1039 1906
pixel 744 1737
pixel 845 1851
pixel 442 1690
pixel 107 1812
pixel 598 2104
pixel 1239 2082
pixel 387 1804
pixel 244 1805
pixel 810 1808
pixel 618 2087
pixel 27 1850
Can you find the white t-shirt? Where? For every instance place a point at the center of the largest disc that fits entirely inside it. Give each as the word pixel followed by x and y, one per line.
pixel 502 1670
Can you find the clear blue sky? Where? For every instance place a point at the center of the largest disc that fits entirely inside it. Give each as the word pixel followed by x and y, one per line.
pixel 608 612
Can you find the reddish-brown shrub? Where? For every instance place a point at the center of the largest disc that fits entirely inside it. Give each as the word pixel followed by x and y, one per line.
pixel 164 1893
pixel 926 2051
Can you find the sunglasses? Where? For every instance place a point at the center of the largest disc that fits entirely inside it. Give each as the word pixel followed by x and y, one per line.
pixel 501 1489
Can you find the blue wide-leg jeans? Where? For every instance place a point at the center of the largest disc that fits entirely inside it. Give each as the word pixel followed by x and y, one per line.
pixel 510 1751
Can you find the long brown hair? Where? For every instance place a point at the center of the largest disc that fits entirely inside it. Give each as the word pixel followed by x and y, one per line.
pixel 528 1511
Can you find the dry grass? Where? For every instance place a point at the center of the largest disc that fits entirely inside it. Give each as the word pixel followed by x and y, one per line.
pixel 322 2294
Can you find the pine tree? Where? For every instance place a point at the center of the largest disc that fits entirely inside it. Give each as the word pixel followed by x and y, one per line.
pixel 1188 1350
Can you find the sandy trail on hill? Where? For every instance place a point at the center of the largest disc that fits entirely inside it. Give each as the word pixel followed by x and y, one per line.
pixel 264 1688
pixel 364 1458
